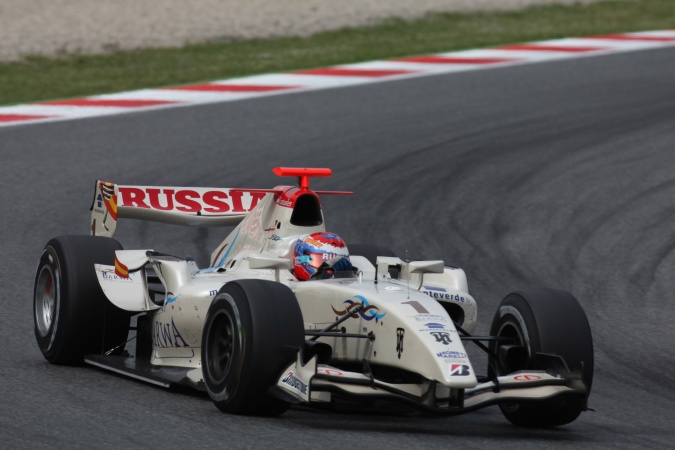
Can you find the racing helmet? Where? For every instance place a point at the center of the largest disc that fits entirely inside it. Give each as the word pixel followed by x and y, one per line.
pixel 314 250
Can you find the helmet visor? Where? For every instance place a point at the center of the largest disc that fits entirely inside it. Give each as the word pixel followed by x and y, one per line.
pixel 311 259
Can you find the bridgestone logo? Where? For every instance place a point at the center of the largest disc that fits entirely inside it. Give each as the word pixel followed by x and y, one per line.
pixel 295 383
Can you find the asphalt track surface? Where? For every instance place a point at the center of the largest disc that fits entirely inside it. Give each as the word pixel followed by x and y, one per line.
pixel 557 174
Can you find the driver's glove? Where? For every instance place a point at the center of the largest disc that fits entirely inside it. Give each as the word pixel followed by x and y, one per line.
pixel 343 265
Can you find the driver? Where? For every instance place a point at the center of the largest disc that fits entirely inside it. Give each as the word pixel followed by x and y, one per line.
pixel 320 255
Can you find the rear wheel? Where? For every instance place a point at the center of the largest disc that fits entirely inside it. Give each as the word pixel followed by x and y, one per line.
pixel 253 331
pixel 542 323
pixel 71 314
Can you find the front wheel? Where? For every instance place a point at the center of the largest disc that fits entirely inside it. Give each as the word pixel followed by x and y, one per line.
pixel 540 323
pixel 253 331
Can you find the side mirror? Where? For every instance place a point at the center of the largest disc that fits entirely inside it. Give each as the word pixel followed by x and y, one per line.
pixel 264 262
pixel 384 262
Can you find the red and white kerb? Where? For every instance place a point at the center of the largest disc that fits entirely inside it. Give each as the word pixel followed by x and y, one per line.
pixel 331 77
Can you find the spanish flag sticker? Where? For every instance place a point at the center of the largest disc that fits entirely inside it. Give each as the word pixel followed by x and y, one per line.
pixel 112 207
pixel 109 198
pixel 121 270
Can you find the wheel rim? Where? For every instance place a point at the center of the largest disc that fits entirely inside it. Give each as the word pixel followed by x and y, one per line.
pixel 220 346
pixel 45 300
pixel 512 331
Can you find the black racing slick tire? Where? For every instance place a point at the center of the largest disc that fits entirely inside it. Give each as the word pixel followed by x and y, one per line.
pixel 547 323
pixel 71 314
pixel 252 333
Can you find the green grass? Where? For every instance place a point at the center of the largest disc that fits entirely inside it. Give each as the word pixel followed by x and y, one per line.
pixel 39 78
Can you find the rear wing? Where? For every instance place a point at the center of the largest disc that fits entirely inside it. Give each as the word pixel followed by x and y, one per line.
pixel 202 207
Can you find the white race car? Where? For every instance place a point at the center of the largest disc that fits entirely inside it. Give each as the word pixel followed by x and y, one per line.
pixel 285 314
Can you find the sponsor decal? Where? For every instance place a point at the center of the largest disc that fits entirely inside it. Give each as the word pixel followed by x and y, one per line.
pixel 252 225
pixel 369 312
pixel 393 288
pixel 195 200
pixel 333 372
pixel 212 293
pixel 434 317
pixel 400 334
pixel 459 370
pixel 170 298
pixel 433 326
pixel 456 360
pixel 275 237
pixel 313 242
pixel 166 335
pixel 418 306
pixel 99 205
pixel 442 294
pixel 442 336
pixel 121 270
pixel 327 256
pixel 112 276
pixel 527 377
pixel 296 383
pixel 282 202
pixel 451 354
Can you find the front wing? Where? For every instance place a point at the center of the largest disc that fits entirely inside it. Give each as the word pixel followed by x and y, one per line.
pixel 318 383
